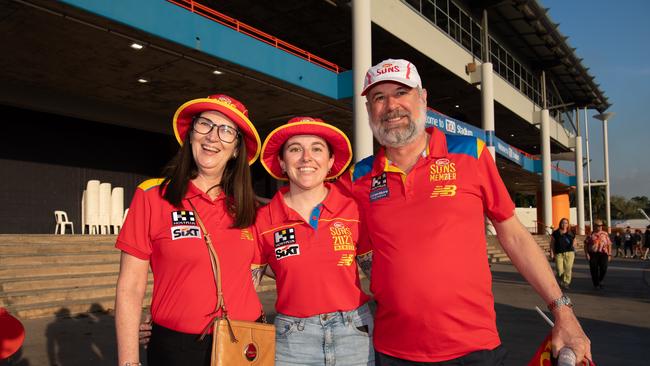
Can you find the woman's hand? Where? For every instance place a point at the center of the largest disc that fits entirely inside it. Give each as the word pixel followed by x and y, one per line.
pixel 145 330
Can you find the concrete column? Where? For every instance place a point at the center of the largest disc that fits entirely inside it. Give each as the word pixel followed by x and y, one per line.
pixel 362 60
pixel 487 89
pixel 580 188
pixel 608 214
pixel 591 210
pixel 487 105
pixel 580 185
pixel 608 211
pixel 547 193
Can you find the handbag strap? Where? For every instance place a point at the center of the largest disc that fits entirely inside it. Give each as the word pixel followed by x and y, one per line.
pixel 216 271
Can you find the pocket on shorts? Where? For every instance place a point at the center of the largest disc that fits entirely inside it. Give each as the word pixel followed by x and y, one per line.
pixel 284 326
pixel 362 322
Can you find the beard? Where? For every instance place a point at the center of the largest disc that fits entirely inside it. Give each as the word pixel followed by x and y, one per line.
pixel 402 135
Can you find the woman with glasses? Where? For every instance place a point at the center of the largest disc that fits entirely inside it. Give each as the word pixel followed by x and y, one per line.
pixel 209 177
pixel 308 235
pixel 598 250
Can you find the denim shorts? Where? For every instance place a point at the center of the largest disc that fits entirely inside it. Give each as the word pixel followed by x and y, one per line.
pixel 338 338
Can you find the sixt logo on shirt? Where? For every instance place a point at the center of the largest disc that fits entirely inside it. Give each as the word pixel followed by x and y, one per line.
pixel 287 251
pixel 284 237
pixel 185 232
pixel 379 187
pixel 183 218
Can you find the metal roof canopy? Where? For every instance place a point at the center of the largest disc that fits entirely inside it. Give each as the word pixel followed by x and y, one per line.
pixel 62 60
pixel 74 64
pixel 537 41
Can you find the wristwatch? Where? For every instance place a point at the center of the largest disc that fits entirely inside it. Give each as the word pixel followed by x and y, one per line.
pixel 561 301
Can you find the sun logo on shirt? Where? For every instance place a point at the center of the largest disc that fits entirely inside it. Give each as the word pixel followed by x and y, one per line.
pixel 246 235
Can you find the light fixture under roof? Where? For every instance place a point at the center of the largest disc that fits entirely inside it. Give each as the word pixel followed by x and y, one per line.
pixel 142 80
pixel 457 106
pixel 217 72
pixel 136 46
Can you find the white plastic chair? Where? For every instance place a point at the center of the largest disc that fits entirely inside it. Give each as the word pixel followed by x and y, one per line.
pixel 83 212
pixel 61 218
pixel 126 212
pixel 104 208
pixel 91 207
pixel 117 209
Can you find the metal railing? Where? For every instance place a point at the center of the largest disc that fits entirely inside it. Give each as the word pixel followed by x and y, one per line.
pixel 453 20
pixel 207 12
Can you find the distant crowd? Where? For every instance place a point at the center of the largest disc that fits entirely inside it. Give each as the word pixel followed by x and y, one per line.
pixel 631 244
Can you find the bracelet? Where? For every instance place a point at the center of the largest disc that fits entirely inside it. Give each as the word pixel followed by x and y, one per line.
pixel 132 364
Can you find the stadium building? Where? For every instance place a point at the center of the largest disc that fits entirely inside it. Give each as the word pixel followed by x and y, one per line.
pixel 89 87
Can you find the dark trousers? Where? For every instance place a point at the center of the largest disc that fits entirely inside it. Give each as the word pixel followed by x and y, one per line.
pixel 495 357
pixel 598 267
pixel 629 247
pixel 170 348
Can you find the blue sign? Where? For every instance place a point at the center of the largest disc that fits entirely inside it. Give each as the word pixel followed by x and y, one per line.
pixel 508 151
pixel 452 126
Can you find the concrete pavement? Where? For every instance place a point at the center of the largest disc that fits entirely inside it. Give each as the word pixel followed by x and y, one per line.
pixel 617 319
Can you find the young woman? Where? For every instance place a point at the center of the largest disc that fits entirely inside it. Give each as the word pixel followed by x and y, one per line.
pixel 308 235
pixel 563 252
pixel 210 173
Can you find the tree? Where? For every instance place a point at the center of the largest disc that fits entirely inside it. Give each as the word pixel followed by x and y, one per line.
pixel 643 202
pixel 623 209
pixel 597 202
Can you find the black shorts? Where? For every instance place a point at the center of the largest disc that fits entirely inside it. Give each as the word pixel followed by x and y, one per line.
pixel 171 348
pixel 495 357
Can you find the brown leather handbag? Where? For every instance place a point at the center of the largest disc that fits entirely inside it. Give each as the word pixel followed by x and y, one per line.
pixel 236 342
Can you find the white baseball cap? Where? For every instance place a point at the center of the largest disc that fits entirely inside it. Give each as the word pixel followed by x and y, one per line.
pixel 401 71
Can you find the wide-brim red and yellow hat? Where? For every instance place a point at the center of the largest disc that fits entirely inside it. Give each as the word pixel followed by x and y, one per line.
pixel 230 107
pixel 337 140
pixel 12 334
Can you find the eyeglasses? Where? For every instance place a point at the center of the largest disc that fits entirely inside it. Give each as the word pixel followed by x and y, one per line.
pixel 204 126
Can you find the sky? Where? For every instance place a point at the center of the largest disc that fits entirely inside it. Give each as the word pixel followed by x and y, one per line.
pixel 613 37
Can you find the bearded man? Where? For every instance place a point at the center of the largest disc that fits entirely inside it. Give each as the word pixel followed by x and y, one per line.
pixel 424 197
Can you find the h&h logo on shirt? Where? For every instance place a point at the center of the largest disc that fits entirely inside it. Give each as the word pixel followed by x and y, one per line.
pixel 284 237
pixel 183 218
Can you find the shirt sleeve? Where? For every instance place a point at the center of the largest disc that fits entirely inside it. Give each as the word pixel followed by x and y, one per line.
pixel 262 254
pixel 344 183
pixel 497 204
pixel 134 237
pixel 258 258
pixel 364 245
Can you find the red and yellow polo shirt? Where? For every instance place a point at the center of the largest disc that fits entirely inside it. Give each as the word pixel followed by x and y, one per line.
pixel 314 263
pixel 184 292
pixel 430 273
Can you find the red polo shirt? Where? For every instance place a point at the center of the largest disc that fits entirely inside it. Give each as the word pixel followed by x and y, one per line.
pixel 315 267
pixel 430 273
pixel 184 292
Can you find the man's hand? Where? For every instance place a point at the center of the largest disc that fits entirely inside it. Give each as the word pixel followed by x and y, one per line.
pixel 567 332
pixel 145 330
